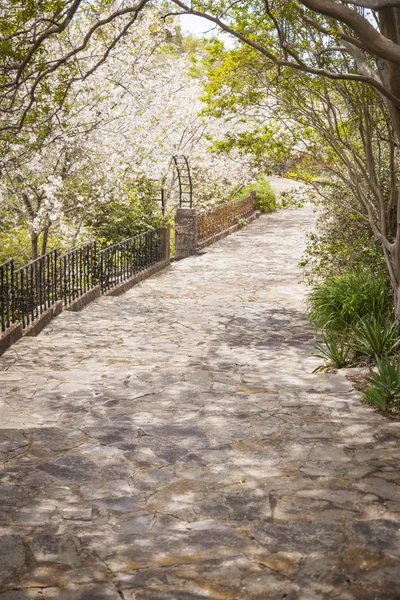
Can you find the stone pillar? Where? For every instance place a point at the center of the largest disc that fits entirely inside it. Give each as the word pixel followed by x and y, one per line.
pixel 166 243
pixel 185 232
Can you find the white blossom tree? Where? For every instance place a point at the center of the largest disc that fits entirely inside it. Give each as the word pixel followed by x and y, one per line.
pixel 114 130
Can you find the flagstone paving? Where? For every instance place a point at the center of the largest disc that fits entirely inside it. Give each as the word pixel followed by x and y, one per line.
pixel 173 444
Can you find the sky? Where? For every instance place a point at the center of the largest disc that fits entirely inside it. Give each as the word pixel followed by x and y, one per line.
pixel 202 27
pixel 196 25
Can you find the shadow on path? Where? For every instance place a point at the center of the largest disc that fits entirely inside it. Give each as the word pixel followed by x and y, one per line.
pixel 173 444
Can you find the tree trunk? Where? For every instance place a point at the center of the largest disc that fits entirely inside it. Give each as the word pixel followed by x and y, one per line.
pixel 35 245
pixel 45 239
pixel 389 20
pixel 392 260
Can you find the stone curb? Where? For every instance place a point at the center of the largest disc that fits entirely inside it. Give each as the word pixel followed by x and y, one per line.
pixel 82 301
pixel 126 285
pixel 43 320
pixel 10 336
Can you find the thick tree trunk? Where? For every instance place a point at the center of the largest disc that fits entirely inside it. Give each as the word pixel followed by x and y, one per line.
pixel 389 20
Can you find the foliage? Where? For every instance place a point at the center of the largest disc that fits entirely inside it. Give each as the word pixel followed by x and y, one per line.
pixel 340 302
pixel 343 240
pixel 15 244
pixel 376 336
pixel 384 384
pixel 315 38
pixel 113 221
pixel 333 349
pixel 296 197
pixel 266 200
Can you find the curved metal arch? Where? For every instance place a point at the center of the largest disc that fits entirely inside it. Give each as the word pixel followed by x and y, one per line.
pixel 181 167
pixel 185 180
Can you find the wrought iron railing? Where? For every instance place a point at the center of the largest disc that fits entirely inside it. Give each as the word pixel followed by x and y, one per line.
pixel 35 288
pixel 216 220
pixel 77 272
pixel 26 293
pixel 6 294
pixel 121 261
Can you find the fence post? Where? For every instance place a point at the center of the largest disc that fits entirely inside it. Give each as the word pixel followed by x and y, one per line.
pixel 166 243
pixel 185 232
pixel 253 194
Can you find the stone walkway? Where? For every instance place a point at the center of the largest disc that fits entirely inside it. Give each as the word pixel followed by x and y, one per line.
pixel 173 444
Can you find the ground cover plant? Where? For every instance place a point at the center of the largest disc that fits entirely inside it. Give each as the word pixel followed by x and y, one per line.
pixel 355 315
pixel 334 350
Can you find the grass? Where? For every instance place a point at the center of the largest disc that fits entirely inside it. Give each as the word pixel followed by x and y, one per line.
pixel 341 302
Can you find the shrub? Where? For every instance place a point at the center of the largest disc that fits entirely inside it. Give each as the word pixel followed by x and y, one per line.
pixel 266 197
pixel 384 384
pixel 340 302
pixel 334 350
pixel 376 336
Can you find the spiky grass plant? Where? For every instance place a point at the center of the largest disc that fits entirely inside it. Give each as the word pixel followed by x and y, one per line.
pixel 340 302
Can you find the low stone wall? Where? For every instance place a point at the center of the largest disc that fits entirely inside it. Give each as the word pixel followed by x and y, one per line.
pixel 84 300
pixel 36 327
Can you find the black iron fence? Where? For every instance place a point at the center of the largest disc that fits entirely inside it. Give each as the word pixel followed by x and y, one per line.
pixel 35 288
pixel 27 292
pixel 121 261
pixel 77 272
pixel 6 294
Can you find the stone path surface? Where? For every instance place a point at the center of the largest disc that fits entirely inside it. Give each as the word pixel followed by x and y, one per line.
pixel 173 444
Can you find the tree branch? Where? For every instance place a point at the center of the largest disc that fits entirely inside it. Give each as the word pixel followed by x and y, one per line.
pixel 372 40
pixel 294 65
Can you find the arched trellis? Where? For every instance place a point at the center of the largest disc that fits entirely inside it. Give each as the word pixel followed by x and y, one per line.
pixel 182 175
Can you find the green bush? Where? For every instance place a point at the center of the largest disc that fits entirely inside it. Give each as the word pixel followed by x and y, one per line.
pixel 340 302
pixel 266 200
pixel 384 384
